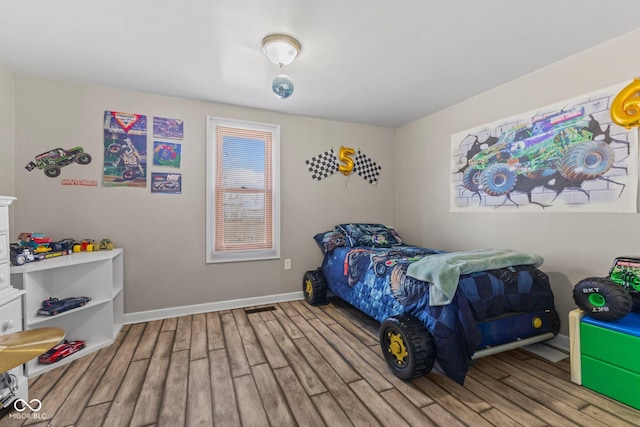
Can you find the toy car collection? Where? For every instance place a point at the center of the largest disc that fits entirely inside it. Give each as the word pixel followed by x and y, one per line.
pixel 54 306
pixel 611 298
pixel 38 246
pixel 62 350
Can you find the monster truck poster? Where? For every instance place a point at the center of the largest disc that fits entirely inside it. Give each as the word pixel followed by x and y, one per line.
pixel 125 150
pixel 567 157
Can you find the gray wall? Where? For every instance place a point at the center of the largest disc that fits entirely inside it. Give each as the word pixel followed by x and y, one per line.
pixel 163 235
pixel 574 245
pixel 6 131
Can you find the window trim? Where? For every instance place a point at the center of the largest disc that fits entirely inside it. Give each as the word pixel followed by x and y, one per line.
pixel 240 255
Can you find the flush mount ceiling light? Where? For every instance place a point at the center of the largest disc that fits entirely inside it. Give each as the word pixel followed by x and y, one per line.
pixel 280 49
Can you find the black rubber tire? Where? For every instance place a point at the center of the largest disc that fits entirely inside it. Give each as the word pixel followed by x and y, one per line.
pixel 83 159
pixel 635 298
pixel 555 322
pixel 314 287
pixel 52 171
pixel 407 346
pixel 603 299
pixel 20 259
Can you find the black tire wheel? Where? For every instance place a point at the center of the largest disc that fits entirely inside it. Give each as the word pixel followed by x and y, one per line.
pixel 407 346
pixel 83 159
pixel 314 287
pixel 20 259
pixel 554 318
pixel 635 298
pixel 603 299
pixel 498 179
pixel 587 160
pixel 52 171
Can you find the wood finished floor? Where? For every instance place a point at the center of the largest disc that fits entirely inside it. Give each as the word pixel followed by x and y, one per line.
pixel 304 366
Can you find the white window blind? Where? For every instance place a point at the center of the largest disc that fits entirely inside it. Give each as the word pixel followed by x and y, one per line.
pixel 242 217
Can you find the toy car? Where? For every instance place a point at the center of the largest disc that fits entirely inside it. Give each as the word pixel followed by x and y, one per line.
pixel 20 255
pixel 62 350
pixel 54 306
pixel 38 242
pixel 64 245
pixel 611 298
pixel 106 244
pixel 84 246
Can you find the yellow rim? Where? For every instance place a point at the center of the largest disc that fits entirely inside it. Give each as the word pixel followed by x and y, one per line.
pixel 397 348
pixel 308 287
pixel 536 322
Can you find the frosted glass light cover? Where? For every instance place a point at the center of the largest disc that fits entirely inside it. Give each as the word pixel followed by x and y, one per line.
pixel 282 86
pixel 280 49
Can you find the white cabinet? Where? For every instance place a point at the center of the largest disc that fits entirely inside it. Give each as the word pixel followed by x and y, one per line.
pixel 10 322
pixel 10 298
pixel 98 275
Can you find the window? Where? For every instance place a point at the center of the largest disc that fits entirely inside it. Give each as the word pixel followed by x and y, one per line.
pixel 243 209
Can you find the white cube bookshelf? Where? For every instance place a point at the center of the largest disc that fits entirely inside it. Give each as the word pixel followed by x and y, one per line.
pixel 98 275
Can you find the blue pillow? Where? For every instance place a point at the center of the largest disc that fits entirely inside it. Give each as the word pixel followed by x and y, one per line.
pixel 329 240
pixel 370 235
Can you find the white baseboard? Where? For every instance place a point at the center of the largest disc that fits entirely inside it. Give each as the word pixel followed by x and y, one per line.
pixel 165 313
pixel 561 342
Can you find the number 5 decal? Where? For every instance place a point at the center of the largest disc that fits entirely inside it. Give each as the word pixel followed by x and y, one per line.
pixel 347 165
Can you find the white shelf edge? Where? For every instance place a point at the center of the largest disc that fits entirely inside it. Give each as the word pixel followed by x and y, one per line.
pixel 66 261
pixel 41 319
pixel 6 200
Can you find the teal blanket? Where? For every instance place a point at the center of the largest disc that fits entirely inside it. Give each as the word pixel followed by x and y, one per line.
pixel 444 270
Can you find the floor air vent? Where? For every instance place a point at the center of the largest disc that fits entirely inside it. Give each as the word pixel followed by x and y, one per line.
pixel 259 310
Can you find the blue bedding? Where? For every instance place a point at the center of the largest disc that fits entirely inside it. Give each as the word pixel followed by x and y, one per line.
pixel 375 281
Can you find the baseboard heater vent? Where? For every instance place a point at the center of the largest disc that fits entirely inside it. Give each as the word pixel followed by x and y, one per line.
pixel 259 310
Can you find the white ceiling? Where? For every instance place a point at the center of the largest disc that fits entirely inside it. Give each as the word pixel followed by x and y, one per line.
pixel 380 62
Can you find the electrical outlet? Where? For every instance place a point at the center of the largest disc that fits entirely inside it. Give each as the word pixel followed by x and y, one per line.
pixel 287 264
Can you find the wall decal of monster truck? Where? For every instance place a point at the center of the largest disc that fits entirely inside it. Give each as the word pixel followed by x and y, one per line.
pixel 51 161
pixel 558 142
pixel 613 297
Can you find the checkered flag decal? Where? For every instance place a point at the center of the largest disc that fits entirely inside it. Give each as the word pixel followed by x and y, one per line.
pixel 323 165
pixel 367 168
